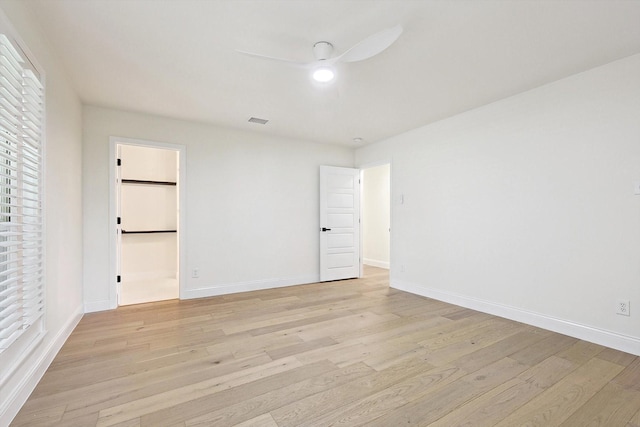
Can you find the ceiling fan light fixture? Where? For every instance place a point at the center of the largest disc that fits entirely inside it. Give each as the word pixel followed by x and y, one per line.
pixel 324 74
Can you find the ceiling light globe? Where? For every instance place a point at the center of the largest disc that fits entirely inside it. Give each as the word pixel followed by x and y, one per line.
pixel 323 74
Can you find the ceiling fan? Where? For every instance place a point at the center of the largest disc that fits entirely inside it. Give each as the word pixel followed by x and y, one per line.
pixel 323 66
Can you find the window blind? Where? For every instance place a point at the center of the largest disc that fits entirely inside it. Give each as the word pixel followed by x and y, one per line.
pixel 21 229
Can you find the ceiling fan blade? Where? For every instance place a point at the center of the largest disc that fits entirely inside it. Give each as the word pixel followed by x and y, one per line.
pixel 372 45
pixel 272 58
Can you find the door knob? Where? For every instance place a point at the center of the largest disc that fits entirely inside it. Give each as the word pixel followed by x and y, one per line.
pixel 326 229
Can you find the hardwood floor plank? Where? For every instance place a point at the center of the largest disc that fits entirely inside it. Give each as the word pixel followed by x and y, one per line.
pixel 616 356
pixel 461 313
pixel 548 372
pixel 428 407
pixel 280 397
pixel 581 352
pixel 139 387
pixel 140 407
pixel 231 396
pixel 381 361
pixel 299 412
pixel 383 355
pixel 108 366
pixel 130 423
pixel 539 351
pixel 465 332
pixel 302 347
pixel 495 404
pixel 269 323
pixel 499 402
pixel 561 400
pixel 494 352
pixel 85 420
pixel 262 421
pixel 326 328
pixel 630 376
pixel 402 329
pixel 486 334
pixel 364 411
pixel 42 417
pixel 242 346
pixel 614 405
pixel 88 393
pixel 635 420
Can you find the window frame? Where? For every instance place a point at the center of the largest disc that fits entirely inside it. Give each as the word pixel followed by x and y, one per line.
pixel 25 343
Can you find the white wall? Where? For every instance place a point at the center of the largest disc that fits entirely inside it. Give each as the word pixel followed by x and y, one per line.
pixel 63 216
pixel 376 211
pixel 526 207
pixel 252 203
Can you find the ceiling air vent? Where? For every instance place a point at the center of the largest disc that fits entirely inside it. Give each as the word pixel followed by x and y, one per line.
pixel 257 120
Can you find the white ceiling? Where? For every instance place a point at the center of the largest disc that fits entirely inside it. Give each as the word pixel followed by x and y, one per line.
pixel 177 58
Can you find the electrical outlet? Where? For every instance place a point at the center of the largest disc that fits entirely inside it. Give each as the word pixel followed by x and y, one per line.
pixel 195 273
pixel 623 307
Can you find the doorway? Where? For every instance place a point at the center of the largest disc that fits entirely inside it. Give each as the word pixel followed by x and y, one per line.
pixel 376 216
pixel 147 200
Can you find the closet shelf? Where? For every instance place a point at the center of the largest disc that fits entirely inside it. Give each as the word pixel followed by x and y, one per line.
pixel 139 181
pixel 148 231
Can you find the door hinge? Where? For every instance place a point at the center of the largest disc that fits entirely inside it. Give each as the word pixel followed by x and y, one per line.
pixel 119 162
pixel 118 220
pixel 118 279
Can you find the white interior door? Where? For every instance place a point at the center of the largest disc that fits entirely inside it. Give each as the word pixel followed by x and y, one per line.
pixel 339 223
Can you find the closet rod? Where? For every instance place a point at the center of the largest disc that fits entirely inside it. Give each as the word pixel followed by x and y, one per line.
pixel 139 181
pixel 149 231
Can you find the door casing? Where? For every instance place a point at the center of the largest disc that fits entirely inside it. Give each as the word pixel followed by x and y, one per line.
pixel 113 210
pixel 362 213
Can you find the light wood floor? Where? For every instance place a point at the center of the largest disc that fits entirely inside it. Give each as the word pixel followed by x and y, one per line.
pixel 342 353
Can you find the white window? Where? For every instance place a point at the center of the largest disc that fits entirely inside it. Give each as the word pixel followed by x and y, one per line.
pixel 21 228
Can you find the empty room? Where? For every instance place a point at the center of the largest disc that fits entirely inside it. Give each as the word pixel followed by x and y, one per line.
pixel 268 213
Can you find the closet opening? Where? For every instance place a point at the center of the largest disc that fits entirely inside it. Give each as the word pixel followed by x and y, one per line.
pixel 147 222
pixel 376 216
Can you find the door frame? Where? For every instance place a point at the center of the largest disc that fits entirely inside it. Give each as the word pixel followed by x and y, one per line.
pixel 182 220
pixel 362 212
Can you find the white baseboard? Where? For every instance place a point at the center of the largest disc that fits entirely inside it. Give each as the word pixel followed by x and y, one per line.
pixel 376 263
pixel 17 397
pixel 93 306
pixel 592 334
pixel 214 290
pixel 255 285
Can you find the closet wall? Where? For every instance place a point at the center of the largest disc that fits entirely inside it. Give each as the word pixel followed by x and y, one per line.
pixel 149 261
